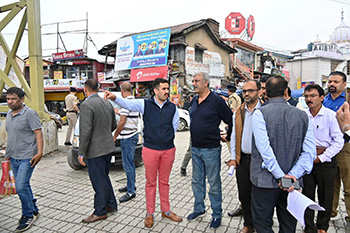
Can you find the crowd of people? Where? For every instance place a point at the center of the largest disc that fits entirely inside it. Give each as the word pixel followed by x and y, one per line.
pixel 269 140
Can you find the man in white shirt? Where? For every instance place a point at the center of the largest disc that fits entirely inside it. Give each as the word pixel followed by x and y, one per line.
pixel 127 133
pixel 329 141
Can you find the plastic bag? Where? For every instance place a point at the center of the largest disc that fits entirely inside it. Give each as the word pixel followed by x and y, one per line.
pixel 7 183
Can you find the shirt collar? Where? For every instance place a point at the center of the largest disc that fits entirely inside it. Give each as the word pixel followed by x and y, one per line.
pixel 91 96
pixel 23 110
pixel 258 105
pixel 320 113
pixel 342 95
pixel 160 105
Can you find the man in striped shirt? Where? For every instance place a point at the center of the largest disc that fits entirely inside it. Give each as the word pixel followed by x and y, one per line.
pixel 127 133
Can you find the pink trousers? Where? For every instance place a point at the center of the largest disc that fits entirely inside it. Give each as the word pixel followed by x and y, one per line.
pixel 158 163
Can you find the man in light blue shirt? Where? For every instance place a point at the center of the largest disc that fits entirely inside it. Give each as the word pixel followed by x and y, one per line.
pixel 283 146
pixel 160 118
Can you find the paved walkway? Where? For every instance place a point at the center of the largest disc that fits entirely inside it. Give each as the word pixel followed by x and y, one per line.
pixel 65 197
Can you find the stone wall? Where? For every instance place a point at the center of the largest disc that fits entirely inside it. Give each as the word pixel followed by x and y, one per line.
pixel 49 135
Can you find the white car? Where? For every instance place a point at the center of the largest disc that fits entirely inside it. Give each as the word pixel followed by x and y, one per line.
pixel 184 120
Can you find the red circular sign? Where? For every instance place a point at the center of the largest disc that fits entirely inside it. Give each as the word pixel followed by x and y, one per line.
pixel 235 23
pixel 251 26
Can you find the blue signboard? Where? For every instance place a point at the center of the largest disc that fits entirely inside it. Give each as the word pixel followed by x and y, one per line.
pixel 143 50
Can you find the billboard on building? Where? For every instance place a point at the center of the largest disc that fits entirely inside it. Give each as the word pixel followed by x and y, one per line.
pixel 211 63
pixel 148 74
pixel 143 50
pixel 68 55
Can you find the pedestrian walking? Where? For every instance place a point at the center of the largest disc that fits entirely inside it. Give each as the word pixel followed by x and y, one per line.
pixel 161 119
pixel 329 141
pixel 24 149
pixel 97 122
pixel 127 133
pixel 283 147
pixel 207 111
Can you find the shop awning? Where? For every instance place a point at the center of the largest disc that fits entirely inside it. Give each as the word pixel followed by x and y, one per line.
pixel 148 74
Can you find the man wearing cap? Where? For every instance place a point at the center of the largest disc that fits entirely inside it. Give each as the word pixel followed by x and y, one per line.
pixel 233 100
pixel 72 109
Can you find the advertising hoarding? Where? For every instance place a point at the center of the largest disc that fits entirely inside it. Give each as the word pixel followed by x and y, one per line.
pixel 143 50
pixel 148 74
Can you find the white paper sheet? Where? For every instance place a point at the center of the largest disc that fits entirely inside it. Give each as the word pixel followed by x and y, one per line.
pixel 231 170
pixel 297 204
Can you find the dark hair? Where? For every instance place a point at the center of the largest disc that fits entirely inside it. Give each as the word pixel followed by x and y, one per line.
pixel 232 89
pixel 338 73
pixel 264 78
pixel 289 91
pixel 314 86
pixel 158 81
pixel 276 86
pixel 257 83
pixel 72 89
pixel 16 90
pixel 92 85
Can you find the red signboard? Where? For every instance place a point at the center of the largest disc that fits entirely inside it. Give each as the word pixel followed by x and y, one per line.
pixel 235 23
pixel 68 55
pixel 148 74
pixel 251 26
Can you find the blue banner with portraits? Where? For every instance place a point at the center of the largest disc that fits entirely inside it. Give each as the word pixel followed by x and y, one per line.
pixel 143 50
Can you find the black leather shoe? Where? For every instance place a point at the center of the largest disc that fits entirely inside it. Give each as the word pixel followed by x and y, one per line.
pixel 235 213
pixel 67 144
pixel 127 197
pixel 124 189
pixel 183 172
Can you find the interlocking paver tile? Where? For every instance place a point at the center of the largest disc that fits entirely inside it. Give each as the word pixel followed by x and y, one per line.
pixel 65 197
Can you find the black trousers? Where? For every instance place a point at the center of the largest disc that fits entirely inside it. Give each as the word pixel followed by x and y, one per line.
pixel 264 200
pixel 322 177
pixel 98 169
pixel 245 188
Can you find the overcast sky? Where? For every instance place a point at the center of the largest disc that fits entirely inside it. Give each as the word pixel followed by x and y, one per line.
pixel 280 24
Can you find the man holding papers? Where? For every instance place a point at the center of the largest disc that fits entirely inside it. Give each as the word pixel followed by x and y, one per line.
pixel 329 141
pixel 283 146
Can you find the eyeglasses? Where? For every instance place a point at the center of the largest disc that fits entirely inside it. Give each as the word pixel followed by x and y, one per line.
pixel 310 96
pixel 249 91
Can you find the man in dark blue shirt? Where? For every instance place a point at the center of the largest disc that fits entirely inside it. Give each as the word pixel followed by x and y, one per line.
pixel 334 100
pixel 207 110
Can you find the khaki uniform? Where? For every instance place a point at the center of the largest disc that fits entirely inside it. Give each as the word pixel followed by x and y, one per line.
pixel 234 101
pixel 70 101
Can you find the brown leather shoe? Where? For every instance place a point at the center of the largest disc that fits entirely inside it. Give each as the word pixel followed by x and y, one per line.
pixel 247 230
pixel 321 231
pixel 94 218
pixel 111 210
pixel 149 221
pixel 172 216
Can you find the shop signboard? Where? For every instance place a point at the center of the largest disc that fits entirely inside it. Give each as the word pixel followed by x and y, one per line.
pixel 235 23
pixel 251 26
pixel 143 50
pixel 148 74
pixel 63 84
pixel 211 63
pixel 68 55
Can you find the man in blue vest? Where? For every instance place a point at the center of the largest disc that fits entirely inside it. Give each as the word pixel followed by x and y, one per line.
pixel 283 146
pixel 160 118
